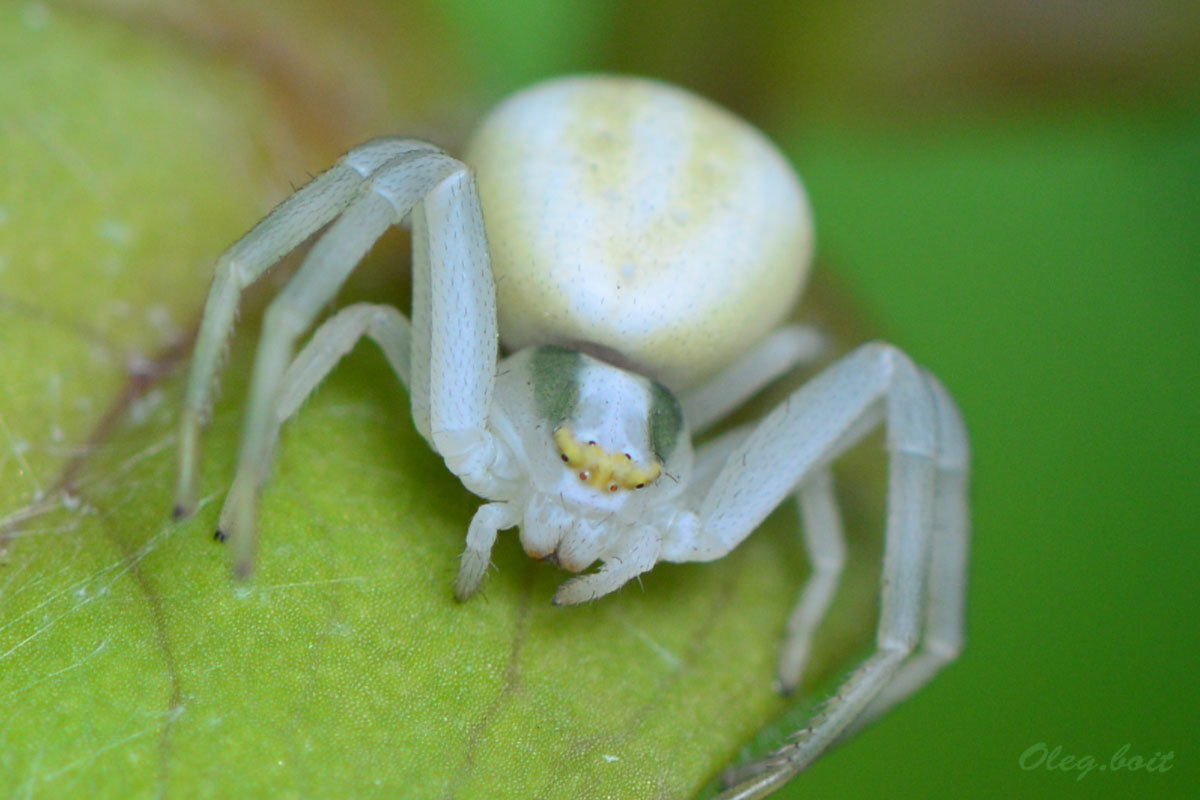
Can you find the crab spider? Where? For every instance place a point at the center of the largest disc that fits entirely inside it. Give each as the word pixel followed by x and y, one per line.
pixel 638 249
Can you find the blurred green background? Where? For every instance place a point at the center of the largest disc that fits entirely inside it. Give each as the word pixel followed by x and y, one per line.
pixel 1011 191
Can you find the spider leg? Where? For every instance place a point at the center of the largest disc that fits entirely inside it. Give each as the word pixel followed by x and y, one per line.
pixel 787 449
pixel 336 337
pixel 285 228
pixel 481 536
pixel 947 588
pixel 638 555
pixel 711 458
pixel 391 192
pixel 455 342
pixel 782 351
pixel 826 548
pixel 821 526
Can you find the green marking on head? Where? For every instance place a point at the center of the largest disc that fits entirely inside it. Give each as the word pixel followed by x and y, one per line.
pixel 666 421
pixel 556 381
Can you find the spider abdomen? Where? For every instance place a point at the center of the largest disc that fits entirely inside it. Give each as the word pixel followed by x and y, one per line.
pixel 633 216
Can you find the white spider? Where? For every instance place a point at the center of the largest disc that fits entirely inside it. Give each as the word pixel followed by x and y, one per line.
pixel 637 238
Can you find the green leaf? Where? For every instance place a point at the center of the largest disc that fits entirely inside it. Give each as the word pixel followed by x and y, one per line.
pixel 130 663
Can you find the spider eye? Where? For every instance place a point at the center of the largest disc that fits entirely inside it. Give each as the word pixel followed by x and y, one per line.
pixel 564 458
pixel 612 487
pixel 583 476
pixel 640 486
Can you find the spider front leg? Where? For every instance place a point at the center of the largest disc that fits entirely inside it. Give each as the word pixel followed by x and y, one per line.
pixel 789 449
pixel 453 263
pixel 285 228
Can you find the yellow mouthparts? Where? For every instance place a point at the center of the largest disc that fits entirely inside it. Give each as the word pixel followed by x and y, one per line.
pixel 601 469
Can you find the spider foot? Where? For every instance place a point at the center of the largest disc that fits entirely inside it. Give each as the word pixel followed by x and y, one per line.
pixel 471 569
pixel 792 660
pixel 187 467
pixel 237 525
pixel 585 588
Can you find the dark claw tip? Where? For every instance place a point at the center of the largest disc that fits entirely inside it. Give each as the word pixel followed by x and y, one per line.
pixel 219 535
pixel 178 512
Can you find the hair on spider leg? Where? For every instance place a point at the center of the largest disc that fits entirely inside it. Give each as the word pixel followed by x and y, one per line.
pixel 737 773
pixel 807 729
pixel 481 591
